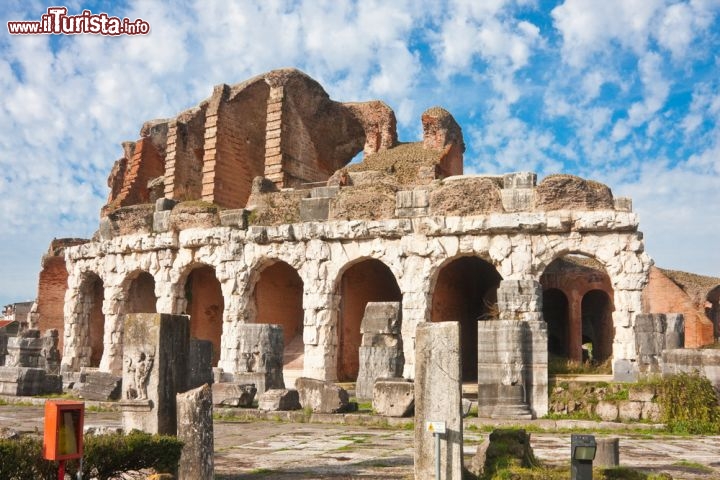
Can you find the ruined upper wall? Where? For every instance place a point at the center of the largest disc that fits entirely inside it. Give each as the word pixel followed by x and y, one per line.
pixel 281 125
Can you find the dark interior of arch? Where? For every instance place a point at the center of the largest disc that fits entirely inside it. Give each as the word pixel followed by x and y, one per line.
pixel 141 295
pixel 712 309
pixel 93 292
pixel 597 325
pixel 205 305
pixel 279 301
pixel 366 281
pixel 466 292
pixel 555 313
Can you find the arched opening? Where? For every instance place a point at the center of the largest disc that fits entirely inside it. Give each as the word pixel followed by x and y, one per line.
pixel 141 295
pixel 279 301
pixel 466 291
pixel 597 326
pixel 205 305
pixel 580 326
pixel 712 310
pixel 367 281
pixel 555 312
pixel 92 318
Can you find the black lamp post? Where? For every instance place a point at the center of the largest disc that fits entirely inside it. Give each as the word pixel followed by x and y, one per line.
pixel 582 448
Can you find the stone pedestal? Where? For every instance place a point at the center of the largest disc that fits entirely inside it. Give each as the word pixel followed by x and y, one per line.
pixel 438 397
pixel 260 356
pixel 24 350
pixel 381 350
pixel 155 369
pixel 655 332
pixel 512 369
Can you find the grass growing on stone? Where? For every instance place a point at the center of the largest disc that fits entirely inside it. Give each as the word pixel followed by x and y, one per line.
pixel 697 467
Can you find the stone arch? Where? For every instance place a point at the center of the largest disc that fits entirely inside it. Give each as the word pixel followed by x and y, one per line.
pixel 465 290
pixel 205 304
pixel 91 320
pixel 278 299
pixel 575 275
pixel 362 281
pixel 597 326
pixel 555 313
pixel 140 294
pixel 712 309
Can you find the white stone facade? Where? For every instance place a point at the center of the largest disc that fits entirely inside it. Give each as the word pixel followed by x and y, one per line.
pixel 519 245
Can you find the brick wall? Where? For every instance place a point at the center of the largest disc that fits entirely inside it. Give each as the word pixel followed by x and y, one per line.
pixel 185 150
pixel 662 295
pixel 234 143
pixel 52 285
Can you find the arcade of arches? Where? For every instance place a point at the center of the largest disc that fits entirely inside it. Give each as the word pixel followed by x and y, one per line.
pixel 577 306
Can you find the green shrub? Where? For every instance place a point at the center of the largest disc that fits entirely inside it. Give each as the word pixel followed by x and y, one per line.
pixel 22 459
pixel 105 456
pixel 689 404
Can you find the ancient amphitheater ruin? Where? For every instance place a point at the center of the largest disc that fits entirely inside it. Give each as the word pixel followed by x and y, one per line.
pixel 246 209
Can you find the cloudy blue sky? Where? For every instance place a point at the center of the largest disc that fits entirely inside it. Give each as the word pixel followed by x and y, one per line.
pixel 626 92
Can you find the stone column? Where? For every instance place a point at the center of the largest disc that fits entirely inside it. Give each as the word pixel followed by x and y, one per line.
pixel 574 338
pixel 155 369
pixel 195 429
pixel 381 350
pixel 512 354
pixel 438 398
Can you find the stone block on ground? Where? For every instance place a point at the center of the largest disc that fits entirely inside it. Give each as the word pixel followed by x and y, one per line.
pixel 321 396
pixel 394 397
pixel 100 386
pixel 195 430
pixel 233 394
pixel 281 399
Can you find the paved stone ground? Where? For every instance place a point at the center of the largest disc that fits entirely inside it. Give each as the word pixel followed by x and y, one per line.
pixel 280 450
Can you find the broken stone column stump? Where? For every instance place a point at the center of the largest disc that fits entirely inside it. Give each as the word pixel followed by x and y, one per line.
pixel 195 430
pixel 155 369
pixel 607 453
pixel 438 395
pixel 394 397
pixel 381 350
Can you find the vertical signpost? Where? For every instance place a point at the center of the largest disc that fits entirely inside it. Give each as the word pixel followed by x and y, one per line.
pixel 63 438
pixel 437 429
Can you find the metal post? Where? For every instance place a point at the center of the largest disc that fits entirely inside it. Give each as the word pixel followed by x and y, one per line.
pixel 61 470
pixel 437 456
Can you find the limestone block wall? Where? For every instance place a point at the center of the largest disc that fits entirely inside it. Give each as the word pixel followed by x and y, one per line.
pixel 518 245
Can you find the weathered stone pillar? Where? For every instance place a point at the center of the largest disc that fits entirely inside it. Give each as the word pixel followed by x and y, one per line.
pixel 438 398
pixel 195 429
pixel 512 354
pixel 381 350
pixel 155 369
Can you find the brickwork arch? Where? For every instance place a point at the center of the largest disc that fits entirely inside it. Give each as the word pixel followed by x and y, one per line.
pixel 576 275
pixel 359 282
pixel 465 290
